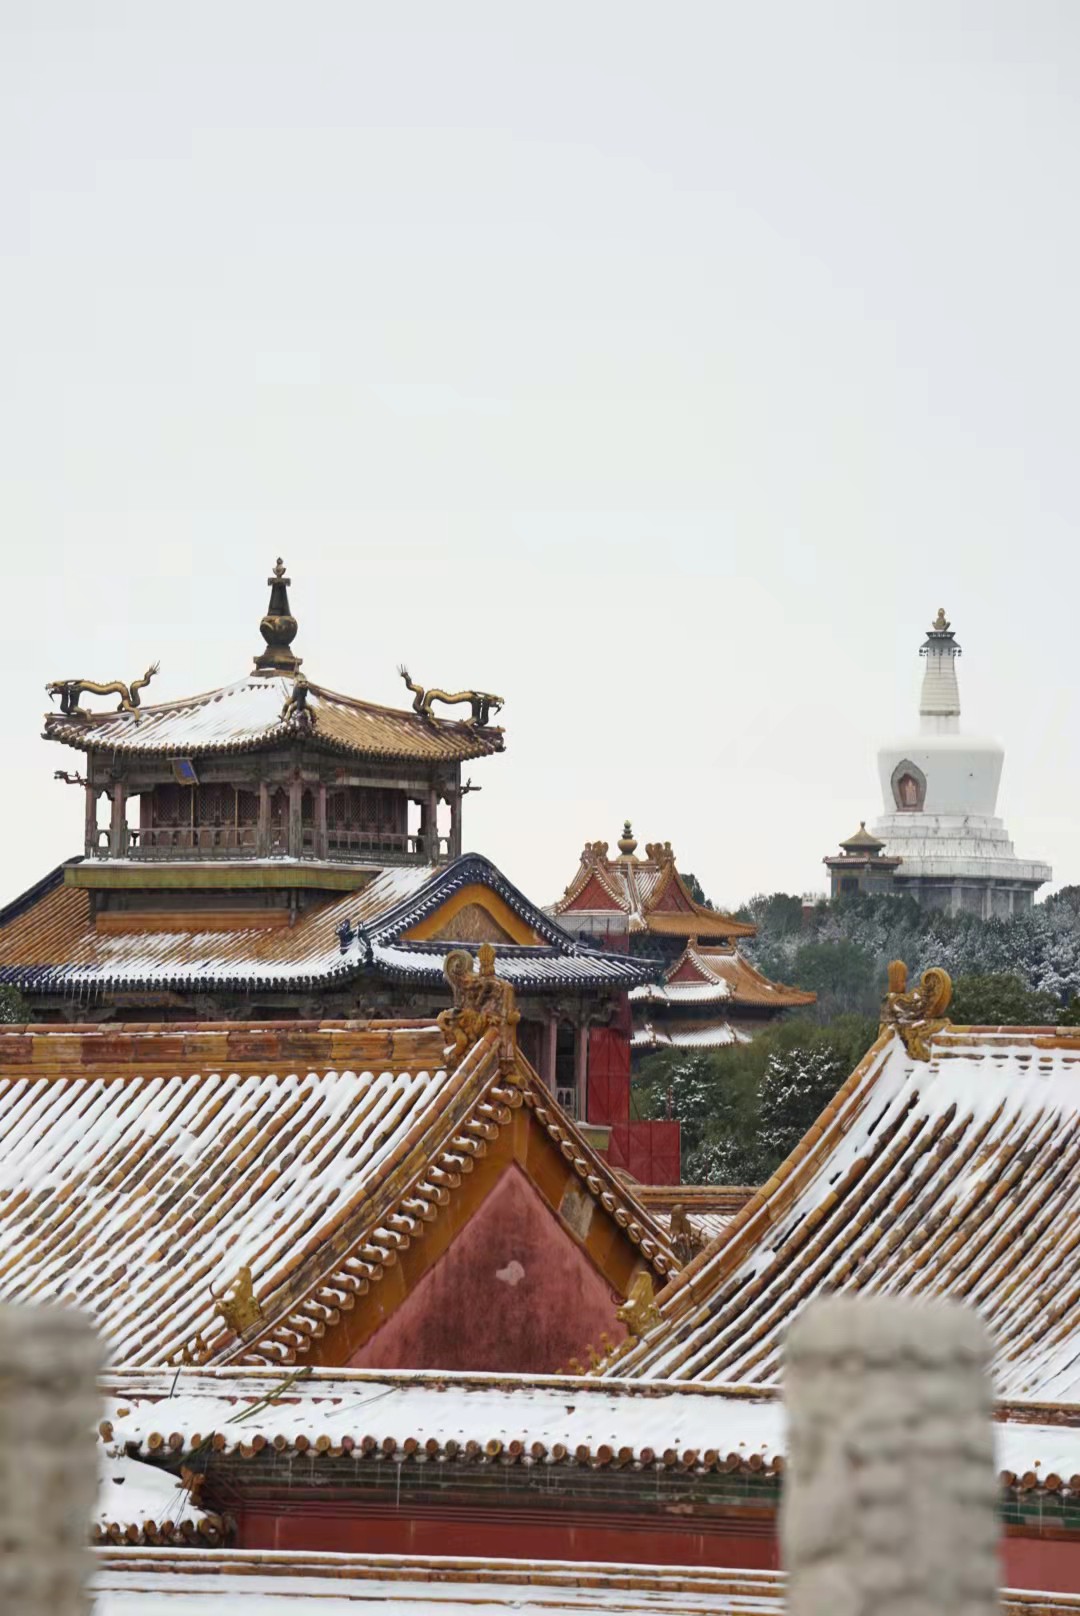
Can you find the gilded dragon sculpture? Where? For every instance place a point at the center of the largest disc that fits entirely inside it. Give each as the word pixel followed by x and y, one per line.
pixel 71 691
pixel 482 702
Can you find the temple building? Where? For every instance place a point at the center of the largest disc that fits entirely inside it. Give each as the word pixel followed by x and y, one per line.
pixel 861 866
pixel 708 994
pixel 944 1166
pixel 274 850
pixel 939 824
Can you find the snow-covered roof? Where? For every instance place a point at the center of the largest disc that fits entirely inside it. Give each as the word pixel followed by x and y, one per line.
pixel 432 1413
pixel 686 1035
pixel 49 941
pixel 141 1582
pixel 251 714
pixel 955 1176
pixel 704 975
pixel 198 1582
pixel 143 1167
pixel 639 895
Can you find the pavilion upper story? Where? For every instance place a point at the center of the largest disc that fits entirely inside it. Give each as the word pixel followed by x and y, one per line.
pixel 274 766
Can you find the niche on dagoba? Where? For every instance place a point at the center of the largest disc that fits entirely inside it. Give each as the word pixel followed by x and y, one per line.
pixel 908 787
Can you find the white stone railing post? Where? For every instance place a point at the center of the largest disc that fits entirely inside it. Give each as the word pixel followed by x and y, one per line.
pixel 890 1492
pixel 50 1358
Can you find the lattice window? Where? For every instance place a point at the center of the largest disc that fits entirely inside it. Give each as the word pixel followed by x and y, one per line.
pixel 247 807
pixel 216 805
pixel 307 808
pixel 171 806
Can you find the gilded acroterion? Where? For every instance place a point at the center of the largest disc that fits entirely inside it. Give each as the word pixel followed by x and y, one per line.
pixel 919 1014
pixel 482 702
pixel 71 691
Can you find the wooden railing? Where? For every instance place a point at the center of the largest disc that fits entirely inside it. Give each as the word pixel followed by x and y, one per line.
pixel 231 841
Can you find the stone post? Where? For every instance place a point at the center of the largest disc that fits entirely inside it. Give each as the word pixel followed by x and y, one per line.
pixel 49 1407
pixel 889 1502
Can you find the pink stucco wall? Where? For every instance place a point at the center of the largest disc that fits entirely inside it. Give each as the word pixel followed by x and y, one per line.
pixel 513 1292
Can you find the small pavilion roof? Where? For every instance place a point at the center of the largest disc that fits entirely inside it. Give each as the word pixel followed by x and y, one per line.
pixel 146 1165
pixel 650 893
pixel 274 704
pixel 49 941
pixel 862 841
pixel 705 975
pixel 686 1034
pixel 956 1175
pixel 250 716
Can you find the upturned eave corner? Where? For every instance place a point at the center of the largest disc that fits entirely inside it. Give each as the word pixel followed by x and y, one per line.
pixel 918 1014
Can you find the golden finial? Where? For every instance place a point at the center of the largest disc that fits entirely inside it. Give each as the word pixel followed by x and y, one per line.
pixel 278 628
pixel 627 841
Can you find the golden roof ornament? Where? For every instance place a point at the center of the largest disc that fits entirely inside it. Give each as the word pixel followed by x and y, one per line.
pixel 919 1014
pixel 70 692
pixel 941 624
pixel 278 629
pixel 482 1002
pixel 237 1304
pixel 639 1312
pixel 627 841
pixel 482 702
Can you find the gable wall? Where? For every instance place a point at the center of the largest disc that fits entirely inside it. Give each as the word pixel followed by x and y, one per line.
pixel 513 1292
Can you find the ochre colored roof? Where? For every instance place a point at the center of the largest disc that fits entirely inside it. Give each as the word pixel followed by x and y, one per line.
pixel 129 1583
pixel 686 1034
pixel 252 1582
pixel 50 942
pixel 720 975
pixel 247 716
pixel 147 1164
pixel 649 892
pixel 959 1176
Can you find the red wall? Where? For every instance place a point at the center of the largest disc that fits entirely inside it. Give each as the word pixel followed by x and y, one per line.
pixel 570 1534
pixel 1049 1564
pixel 649 1150
pixel 513 1292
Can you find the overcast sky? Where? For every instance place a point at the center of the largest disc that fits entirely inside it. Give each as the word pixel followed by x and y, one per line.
pixel 659 367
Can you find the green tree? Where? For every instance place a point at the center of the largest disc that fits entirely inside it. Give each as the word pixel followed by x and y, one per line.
pixel 14 1009
pixel 696 890
pixel 1000 999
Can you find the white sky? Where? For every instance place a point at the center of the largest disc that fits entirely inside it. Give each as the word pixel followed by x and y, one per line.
pixel 659 367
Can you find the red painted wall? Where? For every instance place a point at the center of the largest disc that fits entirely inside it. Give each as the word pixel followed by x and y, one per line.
pixel 518 1533
pixel 609 1069
pixel 651 1151
pixel 1049 1564
pixel 513 1292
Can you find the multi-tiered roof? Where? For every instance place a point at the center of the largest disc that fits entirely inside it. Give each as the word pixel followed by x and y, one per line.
pixel 707 994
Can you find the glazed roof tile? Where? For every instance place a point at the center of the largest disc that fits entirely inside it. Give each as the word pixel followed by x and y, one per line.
pixel 720 975
pixel 49 942
pixel 137 1582
pixel 649 892
pixel 141 1582
pixel 432 1412
pixel 139 1168
pixel 423 1415
pixel 247 716
pixel 959 1176
pixel 686 1035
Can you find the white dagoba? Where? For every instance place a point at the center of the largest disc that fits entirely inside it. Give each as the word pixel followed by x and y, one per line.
pixel 940 794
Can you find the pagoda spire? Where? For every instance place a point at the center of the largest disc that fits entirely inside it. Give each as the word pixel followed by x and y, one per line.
pixel 939 705
pixel 278 629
